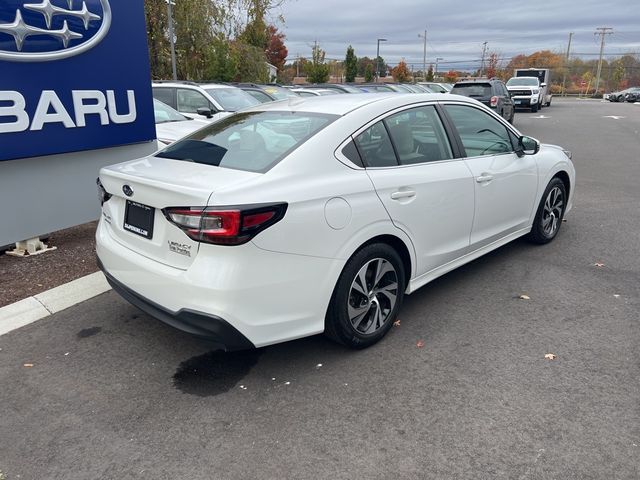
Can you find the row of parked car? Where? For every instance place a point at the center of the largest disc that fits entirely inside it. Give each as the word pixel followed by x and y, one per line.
pixel 182 107
pixel 631 95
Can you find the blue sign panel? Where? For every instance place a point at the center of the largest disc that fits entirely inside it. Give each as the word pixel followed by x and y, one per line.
pixel 74 75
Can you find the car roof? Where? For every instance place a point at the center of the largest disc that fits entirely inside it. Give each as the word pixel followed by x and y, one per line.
pixel 343 104
pixel 217 85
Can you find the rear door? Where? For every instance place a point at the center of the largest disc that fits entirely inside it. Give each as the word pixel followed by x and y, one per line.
pixel 426 191
pixel 505 184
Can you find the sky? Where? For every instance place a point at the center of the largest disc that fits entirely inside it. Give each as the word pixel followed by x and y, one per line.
pixel 456 30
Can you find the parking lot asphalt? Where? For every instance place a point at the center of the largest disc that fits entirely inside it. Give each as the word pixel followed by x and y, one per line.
pixel 114 394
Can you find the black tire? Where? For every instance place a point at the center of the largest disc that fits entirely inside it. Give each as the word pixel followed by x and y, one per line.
pixel 513 114
pixel 549 102
pixel 534 108
pixel 358 320
pixel 550 213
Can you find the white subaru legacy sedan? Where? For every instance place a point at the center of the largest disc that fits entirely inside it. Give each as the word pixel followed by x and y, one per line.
pixel 319 214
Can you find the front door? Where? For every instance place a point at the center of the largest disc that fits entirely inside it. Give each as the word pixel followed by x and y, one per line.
pixel 505 184
pixel 427 193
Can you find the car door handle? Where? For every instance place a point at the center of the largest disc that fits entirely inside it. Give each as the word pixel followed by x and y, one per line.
pixel 485 177
pixel 403 194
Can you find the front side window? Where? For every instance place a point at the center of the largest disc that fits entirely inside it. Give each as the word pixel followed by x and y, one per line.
pixel 249 141
pixel 166 95
pixel 481 133
pixel 189 101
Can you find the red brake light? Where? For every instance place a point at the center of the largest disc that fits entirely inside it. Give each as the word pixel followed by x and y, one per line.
pixel 494 101
pixel 225 226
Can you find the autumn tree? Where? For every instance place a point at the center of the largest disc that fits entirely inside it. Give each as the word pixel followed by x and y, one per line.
pixel 276 50
pixel 492 65
pixel 350 65
pixel 362 65
pixel 401 72
pixel 451 76
pixel 317 70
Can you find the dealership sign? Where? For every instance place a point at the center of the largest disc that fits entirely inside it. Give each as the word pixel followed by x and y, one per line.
pixel 74 75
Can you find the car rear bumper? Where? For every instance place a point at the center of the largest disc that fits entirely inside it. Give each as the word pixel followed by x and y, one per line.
pixel 200 324
pixel 264 296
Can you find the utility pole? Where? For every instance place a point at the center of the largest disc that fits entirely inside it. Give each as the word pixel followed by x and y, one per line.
pixel 172 40
pixel 566 61
pixel 602 31
pixel 437 59
pixel 378 59
pixel 484 51
pixel 424 55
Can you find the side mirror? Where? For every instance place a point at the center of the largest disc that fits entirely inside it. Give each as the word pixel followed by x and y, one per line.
pixel 542 85
pixel 205 112
pixel 527 146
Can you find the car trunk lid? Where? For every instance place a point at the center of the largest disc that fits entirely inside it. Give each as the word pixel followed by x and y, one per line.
pixel 141 189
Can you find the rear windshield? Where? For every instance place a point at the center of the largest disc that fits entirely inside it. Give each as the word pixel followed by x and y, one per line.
pixel 249 141
pixel 473 90
pixel 232 99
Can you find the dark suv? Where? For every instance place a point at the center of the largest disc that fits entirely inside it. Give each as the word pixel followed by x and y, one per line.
pixel 493 93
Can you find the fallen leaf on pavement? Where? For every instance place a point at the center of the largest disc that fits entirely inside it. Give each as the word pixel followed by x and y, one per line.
pixel 420 343
pixel 28 365
pixel 524 297
pixel 396 323
pixel 597 264
pixel 616 295
pixel 550 356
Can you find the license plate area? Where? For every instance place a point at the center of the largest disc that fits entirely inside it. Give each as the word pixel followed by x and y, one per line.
pixel 138 219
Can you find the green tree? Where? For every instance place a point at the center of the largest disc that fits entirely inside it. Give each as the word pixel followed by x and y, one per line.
pixel 350 65
pixel 430 73
pixel 382 67
pixel 317 71
pixel 362 65
pixel 368 73
pixel 251 63
pixel 223 64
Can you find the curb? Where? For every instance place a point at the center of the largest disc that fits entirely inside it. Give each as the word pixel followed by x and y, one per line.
pixel 52 301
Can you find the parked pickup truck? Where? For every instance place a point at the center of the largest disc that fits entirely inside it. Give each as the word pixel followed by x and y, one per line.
pixel 525 89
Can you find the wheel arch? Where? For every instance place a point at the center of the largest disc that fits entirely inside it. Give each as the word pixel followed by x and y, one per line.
pixel 399 246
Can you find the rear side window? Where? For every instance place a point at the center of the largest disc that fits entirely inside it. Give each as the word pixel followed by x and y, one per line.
pixel 473 90
pixel 376 148
pixel 190 101
pixel 165 95
pixel 249 141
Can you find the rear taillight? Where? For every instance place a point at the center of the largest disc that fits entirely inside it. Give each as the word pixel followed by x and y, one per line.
pixel 494 101
pixel 103 195
pixel 225 225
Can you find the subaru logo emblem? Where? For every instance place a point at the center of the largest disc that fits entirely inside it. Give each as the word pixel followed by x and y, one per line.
pixel 52 29
pixel 128 191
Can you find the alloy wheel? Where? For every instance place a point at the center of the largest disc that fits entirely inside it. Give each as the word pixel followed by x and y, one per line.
pixel 552 212
pixel 372 296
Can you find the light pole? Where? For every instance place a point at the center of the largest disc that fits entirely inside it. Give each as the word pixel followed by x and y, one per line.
pixel 378 59
pixel 437 60
pixel 424 54
pixel 172 39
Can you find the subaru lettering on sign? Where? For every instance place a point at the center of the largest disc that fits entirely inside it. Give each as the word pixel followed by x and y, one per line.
pixel 75 76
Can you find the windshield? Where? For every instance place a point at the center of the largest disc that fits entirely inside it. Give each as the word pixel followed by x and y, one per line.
pixel 164 113
pixel 232 99
pixel 280 93
pixel 523 81
pixel 249 141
